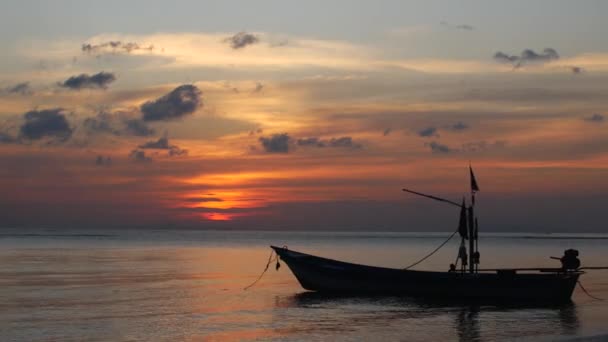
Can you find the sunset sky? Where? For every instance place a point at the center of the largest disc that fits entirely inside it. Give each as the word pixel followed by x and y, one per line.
pixel 303 115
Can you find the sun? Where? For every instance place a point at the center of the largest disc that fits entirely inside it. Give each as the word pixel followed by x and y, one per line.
pixel 218 216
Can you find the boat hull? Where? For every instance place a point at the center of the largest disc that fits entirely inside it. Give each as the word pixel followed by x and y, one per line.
pixel 337 277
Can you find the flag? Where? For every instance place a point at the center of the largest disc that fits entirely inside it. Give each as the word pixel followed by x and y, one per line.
pixel 474 186
pixel 462 225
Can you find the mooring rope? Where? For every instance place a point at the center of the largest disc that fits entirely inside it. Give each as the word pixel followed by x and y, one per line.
pixel 265 269
pixel 587 293
pixel 433 252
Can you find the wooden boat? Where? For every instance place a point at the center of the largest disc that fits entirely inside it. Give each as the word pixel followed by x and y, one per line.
pixel 552 285
pixel 337 277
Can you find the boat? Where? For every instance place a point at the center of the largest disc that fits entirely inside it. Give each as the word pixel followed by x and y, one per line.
pixel 342 278
pixel 551 285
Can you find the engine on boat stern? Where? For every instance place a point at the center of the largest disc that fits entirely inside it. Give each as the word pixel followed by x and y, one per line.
pixel 570 260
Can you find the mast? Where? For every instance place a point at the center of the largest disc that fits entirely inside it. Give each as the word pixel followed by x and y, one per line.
pixel 471 222
pixel 473 226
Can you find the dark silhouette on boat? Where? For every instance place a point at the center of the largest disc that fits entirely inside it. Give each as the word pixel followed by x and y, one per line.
pixel 337 277
pixel 545 285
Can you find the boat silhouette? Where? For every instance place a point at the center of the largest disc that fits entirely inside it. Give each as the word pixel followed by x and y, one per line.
pixel 551 285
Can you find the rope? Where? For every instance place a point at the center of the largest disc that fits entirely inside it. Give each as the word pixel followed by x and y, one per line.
pixel 587 293
pixel 433 252
pixel 263 272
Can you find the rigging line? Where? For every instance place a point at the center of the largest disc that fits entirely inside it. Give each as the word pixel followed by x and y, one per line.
pixel 265 269
pixel 433 197
pixel 587 293
pixel 433 252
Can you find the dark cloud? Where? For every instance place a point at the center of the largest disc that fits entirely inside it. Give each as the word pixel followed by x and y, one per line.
pixel 138 127
pixel 428 132
pixel 241 40
pixel 203 199
pixel 139 156
pixel 46 123
pixel 576 69
pixel 6 138
pixel 504 58
pixel 464 27
pixel 103 161
pixel 527 56
pixel 256 131
pixel 20 89
pixel 345 142
pixel 439 148
pixel 116 123
pixel 101 123
pixel 181 101
pixel 163 144
pixel 175 151
pixel 114 47
pixel 258 87
pixel 478 146
pixel 96 81
pixel 276 143
pixel 459 126
pixel 595 118
pixel 313 141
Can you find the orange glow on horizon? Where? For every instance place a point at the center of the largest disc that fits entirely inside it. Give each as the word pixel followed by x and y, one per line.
pixel 218 216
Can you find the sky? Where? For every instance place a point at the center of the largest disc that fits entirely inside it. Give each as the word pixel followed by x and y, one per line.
pixel 303 115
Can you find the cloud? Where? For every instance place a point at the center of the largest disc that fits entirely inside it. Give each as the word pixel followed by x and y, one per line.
pixel 439 148
pixel 101 123
pixel 82 81
pixel 175 151
pixel 459 126
pixel 163 144
pixel 139 156
pixel 276 143
pixel 138 127
pixel 313 141
pixel 103 161
pixel 386 132
pixel 20 89
pixel 576 69
pixel 116 123
pixel 595 118
pixel 46 123
pixel 527 56
pixel 504 58
pixel 258 87
pixel 114 47
pixel 6 138
pixel 464 27
pixel 181 101
pixel 478 146
pixel 345 142
pixel 428 132
pixel 203 199
pixel 241 40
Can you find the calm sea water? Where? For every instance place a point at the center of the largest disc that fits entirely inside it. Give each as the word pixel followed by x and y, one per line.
pixel 188 285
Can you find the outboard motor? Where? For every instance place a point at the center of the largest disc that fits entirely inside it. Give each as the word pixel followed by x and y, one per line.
pixel 570 260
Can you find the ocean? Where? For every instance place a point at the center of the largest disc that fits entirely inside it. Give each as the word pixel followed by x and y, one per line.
pixel 152 285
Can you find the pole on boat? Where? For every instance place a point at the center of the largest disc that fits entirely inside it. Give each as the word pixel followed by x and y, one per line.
pixel 432 197
pixel 473 226
pixel 471 223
